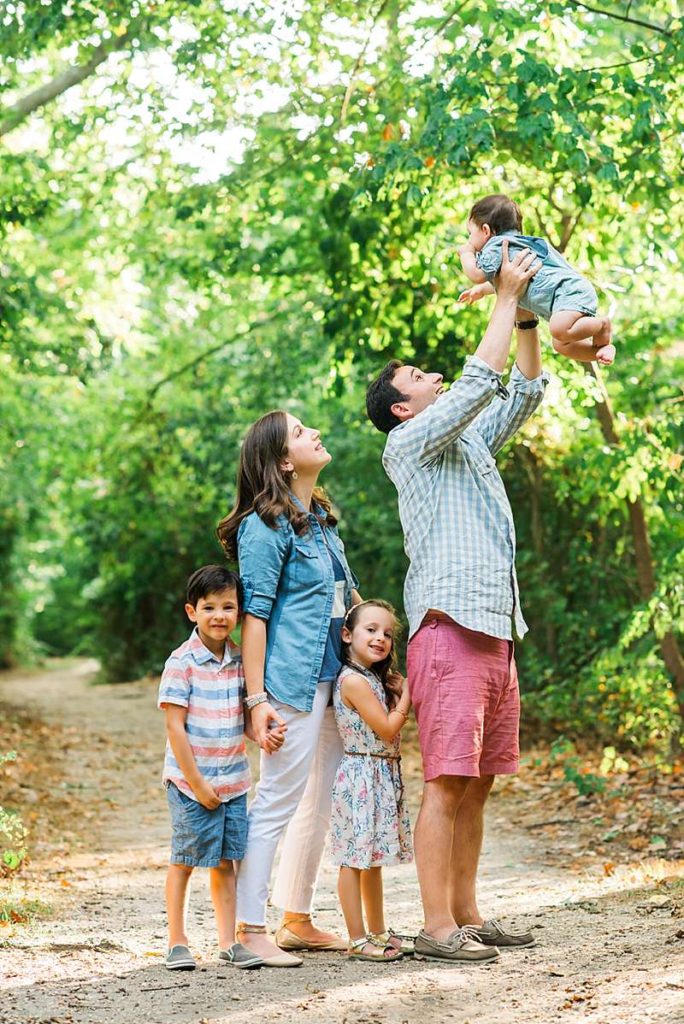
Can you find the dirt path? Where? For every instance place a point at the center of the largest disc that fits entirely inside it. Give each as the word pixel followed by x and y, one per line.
pixel 611 949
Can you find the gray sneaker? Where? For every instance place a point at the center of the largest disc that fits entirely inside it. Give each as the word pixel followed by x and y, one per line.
pixel 239 956
pixel 179 958
pixel 462 944
pixel 492 934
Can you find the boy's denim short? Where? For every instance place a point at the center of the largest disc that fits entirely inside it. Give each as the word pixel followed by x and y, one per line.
pixel 201 838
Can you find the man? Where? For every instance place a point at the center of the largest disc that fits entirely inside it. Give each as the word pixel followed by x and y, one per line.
pixel 461 599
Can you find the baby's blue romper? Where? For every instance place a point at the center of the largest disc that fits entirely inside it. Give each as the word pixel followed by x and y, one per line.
pixel 556 285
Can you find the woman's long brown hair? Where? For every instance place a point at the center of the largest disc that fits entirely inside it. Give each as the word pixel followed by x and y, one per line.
pixel 263 486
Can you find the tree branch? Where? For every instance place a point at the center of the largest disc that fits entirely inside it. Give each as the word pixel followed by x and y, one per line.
pixel 72 75
pixel 211 351
pixel 621 17
pixel 359 61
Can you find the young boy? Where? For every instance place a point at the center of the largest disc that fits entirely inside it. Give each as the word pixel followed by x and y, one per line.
pixel 205 769
pixel 557 292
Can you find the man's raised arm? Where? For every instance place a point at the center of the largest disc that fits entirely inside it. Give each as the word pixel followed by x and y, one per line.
pixel 426 435
pixel 514 278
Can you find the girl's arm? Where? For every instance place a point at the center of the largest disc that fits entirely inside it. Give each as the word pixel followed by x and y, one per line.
pixel 356 693
pixel 185 759
pixel 469 264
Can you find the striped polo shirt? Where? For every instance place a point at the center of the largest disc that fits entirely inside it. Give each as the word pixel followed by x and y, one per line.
pixel 212 691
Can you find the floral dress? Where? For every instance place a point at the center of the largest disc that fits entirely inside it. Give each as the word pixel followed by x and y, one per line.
pixel 370 824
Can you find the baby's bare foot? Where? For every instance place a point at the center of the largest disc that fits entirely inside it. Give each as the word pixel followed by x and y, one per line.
pixel 605 355
pixel 605 333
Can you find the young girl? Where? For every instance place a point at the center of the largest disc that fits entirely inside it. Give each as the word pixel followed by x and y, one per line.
pixel 556 293
pixel 370 823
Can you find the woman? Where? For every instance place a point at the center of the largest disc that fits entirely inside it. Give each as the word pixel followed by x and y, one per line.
pixel 298 587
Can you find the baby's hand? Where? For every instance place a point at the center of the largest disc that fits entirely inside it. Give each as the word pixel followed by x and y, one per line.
pixel 474 294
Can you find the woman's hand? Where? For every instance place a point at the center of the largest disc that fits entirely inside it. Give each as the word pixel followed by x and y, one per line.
pixel 269 728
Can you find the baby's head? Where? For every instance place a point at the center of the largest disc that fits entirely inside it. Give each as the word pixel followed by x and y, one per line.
pixel 490 216
pixel 368 637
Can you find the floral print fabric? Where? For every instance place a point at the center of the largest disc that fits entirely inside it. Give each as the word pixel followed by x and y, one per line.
pixel 370 825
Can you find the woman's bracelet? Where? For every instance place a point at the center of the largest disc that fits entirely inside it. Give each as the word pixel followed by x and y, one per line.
pixel 256 698
pixel 527 325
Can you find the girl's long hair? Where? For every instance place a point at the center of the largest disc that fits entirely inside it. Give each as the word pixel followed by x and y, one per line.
pixel 383 668
pixel 263 486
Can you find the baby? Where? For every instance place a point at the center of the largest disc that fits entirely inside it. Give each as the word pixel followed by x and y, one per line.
pixel 556 293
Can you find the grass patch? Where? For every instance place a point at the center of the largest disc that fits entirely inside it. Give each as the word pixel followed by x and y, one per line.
pixel 17 910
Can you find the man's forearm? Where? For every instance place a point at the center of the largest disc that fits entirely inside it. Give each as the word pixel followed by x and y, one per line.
pixel 495 346
pixel 528 356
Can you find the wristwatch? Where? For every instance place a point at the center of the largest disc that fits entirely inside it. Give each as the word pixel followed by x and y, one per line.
pixel 527 325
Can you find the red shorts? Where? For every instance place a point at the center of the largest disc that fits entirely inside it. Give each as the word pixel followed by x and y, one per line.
pixel 464 689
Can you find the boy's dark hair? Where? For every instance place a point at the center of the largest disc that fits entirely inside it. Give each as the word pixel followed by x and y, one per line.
pixel 381 396
pixel 500 212
pixel 211 579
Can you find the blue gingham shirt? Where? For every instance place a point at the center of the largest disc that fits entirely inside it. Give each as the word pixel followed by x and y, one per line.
pixel 455 514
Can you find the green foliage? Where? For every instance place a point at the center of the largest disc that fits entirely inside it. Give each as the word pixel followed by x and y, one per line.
pixel 13 834
pixel 244 208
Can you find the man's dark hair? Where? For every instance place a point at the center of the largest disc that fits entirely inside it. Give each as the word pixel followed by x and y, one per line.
pixel 500 212
pixel 381 396
pixel 212 579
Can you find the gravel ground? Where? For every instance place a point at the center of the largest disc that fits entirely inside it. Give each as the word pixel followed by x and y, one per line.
pixel 610 946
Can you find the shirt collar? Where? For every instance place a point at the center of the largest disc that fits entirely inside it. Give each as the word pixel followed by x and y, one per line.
pixel 202 654
pixel 316 512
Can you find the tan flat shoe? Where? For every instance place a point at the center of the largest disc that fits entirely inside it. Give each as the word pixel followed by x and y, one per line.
pixel 287 939
pixel 278 959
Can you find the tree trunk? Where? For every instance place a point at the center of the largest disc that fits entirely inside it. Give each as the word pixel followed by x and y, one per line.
pixel 669 647
pixel 534 476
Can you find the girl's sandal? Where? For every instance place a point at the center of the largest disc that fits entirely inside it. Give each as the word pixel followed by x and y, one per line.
pixel 386 953
pixel 397 940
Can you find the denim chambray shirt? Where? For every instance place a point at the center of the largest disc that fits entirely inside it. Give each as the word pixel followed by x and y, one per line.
pixel 290 583
pixel 457 521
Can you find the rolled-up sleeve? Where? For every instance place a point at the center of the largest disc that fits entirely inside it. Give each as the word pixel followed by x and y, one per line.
pixel 425 436
pixel 500 420
pixel 261 555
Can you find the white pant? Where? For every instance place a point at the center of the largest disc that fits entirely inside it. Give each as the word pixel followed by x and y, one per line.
pixel 294 792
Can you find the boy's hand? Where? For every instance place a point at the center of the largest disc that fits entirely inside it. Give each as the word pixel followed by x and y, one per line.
pixel 474 294
pixel 206 794
pixel 269 728
pixel 276 737
pixel 466 248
